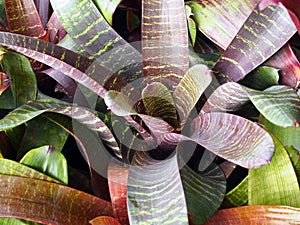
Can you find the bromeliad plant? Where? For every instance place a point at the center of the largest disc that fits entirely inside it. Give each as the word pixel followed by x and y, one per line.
pixel 166 125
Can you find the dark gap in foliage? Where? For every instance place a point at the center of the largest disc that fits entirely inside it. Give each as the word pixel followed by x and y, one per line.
pixel 236 177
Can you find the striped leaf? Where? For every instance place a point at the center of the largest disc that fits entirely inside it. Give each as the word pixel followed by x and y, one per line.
pixel 275 184
pixel 165 51
pixel 155 194
pixel 23 18
pixel 190 88
pixel 279 104
pixel 238 196
pixel 224 135
pixel 262 35
pixel 204 192
pixel 23 80
pixel 158 102
pixel 81 115
pixel 220 21
pixel 50 204
pixel 267 215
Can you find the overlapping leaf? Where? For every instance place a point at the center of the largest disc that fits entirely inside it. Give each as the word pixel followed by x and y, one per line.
pixel 104 220
pixel 262 35
pixel 267 215
pixel 279 104
pixel 107 8
pixel 275 184
pixel 165 52
pixel 4 82
pixel 50 204
pixel 23 18
pixel 23 80
pixel 157 197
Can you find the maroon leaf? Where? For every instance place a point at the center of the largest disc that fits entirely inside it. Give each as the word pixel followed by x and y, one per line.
pixel 56 31
pixel 4 82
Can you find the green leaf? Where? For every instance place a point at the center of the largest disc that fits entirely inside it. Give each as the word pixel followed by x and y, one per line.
pixel 286 135
pixel 7 100
pixel 275 184
pixel 23 80
pixel 261 78
pixel 4 82
pixel 157 198
pixel 256 215
pixel 269 30
pixel 158 102
pixel 190 88
pixel 47 202
pixel 48 161
pixel 191 24
pixel 239 195
pixel 279 104
pixel 107 8
pixel 295 158
pixel 204 191
pixel 37 135
pixel 23 18
pixel 10 221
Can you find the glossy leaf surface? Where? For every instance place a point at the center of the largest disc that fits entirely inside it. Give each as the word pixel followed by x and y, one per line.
pixel 48 161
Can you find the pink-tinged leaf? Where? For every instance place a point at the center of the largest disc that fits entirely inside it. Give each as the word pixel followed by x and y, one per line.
pixel 262 35
pixel 158 197
pixel 105 220
pixel 4 82
pixel 221 20
pixel 23 18
pixel 56 31
pixel 117 181
pixel 47 202
pixel 292 5
pixel 190 88
pixel 165 51
pixel 231 137
pixel 289 66
pixel 259 215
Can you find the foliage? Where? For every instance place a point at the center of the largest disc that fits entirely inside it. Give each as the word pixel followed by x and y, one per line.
pixel 166 112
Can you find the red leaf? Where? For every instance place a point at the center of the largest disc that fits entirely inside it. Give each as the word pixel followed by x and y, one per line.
pixel 104 220
pixel 4 82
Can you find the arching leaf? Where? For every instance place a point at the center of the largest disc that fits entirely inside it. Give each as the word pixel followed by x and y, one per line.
pixel 269 30
pixel 157 197
pixel 104 220
pixel 107 8
pixel 50 204
pixel 48 161
pixel 165 52
pixel 267 215
pixel 276 183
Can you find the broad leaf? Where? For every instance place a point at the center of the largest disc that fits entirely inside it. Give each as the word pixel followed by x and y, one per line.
pixel 287 135
pixel 48 161
pixel 165 52
pixel 279 104
pixel 239 195
pixel 223 134
pixel 220 21
pixel 55 30
pixel 23 80
pixel 107 8
pixel 289 66
pixel 276 183
pixel 23 18
pixel 50 204
pixel 190 88
pixel 204 192
pixel 158 102
pixel 37 136
pixel 295 158
pixel 267 215
pixel 117 181
pixel 262 35
pixel 157 197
